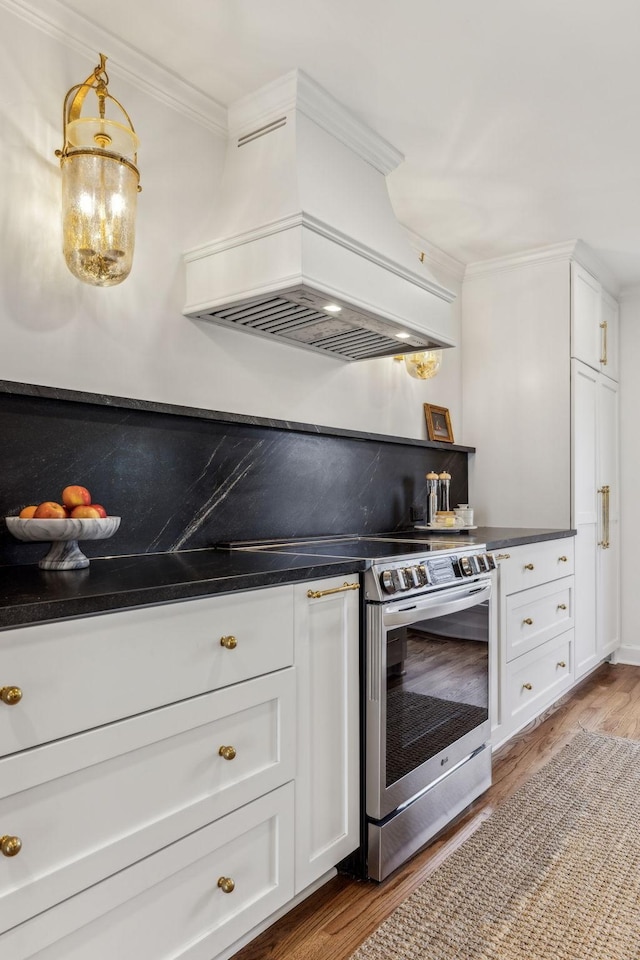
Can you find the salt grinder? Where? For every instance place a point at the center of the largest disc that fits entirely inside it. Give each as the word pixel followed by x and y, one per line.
pixel 445 482
pixel 432 496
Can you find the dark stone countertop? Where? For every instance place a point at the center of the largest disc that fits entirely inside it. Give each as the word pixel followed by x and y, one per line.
pixel 29 595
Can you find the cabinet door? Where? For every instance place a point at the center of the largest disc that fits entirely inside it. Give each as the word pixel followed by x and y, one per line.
pixel 328 774
pixel 608 558
pixel 584 385
pixel 610 342
pixel 586 334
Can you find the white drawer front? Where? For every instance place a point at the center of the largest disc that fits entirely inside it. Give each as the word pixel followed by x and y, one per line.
pixel 536 615
pixel 538 678
pixel 169 906
pixel 78 674
pixel 535 563
pixel 115 795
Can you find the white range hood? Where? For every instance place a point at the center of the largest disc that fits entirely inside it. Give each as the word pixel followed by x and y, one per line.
pixel 308 248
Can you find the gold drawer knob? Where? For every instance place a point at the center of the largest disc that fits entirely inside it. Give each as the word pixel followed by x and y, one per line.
pixel 562 606
pixel 561 664
pixel 529 566
pixel 528 621
pixel 229 753
pixel 562 559
pixel 229 642
pixel 527 686
pixel 226 884
pixel 10 695
pixel 10 846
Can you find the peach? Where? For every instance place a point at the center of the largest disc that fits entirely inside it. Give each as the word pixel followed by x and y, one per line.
pixel 85 512
pixel 27 512
pixel 50 510
pixel 76 496
pixel 101 510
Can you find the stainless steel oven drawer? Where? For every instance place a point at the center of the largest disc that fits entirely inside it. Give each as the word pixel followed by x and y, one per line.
pixel 391 843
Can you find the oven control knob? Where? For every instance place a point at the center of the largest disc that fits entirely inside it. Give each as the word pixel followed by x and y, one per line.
pixel 491 563
pixel 387 582
pixel 402 579
pixel 423 573
pixel 482 562
pixel 465 567
pixel 413 576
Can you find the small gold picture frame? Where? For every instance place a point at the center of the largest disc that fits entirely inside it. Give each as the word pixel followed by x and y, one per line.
pixel 438 423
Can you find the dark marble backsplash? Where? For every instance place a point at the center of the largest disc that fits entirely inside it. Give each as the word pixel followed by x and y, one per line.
pixel 183 481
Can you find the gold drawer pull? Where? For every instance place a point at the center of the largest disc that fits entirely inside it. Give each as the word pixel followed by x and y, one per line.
pixel 528 621
pixel 229 753
pixel 226 884
pixel 316 594
pixel 10 695
pixel 503 556
pixel 528 566
pixel 527 686
pixel 561 664
pixel 229 642
pixel 10 846
pixel 562 559
pixel 561 606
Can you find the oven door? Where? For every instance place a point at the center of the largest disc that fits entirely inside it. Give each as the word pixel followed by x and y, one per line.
pixel 427 691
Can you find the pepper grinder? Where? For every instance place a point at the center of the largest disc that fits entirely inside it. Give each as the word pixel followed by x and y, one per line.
pixel 432 496
pixel 445 481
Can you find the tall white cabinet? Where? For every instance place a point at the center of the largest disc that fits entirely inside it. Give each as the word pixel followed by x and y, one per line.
pixel 540 372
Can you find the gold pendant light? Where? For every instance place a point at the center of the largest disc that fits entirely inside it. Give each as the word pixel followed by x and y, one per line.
pixel 100 186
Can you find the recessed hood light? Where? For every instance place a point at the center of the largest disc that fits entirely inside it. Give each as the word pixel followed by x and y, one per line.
pixel 308 248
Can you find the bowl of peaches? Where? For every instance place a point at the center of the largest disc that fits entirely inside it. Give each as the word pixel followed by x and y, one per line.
pixel 63 524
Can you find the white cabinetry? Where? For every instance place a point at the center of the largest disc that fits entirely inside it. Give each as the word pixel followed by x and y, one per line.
pixel 595 515
pixel 327 778
pixel 594 323
pixel 538 430
pixel 152 770
pixel 535 631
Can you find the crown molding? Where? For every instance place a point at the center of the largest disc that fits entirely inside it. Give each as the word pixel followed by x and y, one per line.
pixel 78 33
pixel 435 257
pixel 567 251
pixel 297 91
pixel 549 254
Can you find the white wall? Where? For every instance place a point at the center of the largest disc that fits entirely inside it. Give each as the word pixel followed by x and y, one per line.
pixel 132 340
pixel 629 473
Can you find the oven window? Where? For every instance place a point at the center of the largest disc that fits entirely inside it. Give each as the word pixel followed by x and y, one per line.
pixel 437 686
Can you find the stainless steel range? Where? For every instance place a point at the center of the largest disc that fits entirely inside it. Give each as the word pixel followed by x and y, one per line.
pixel 425 683
pixel 426 696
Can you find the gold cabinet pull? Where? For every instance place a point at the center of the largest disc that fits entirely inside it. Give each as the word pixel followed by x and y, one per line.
pixel 528 566
pixel 316 594
pixel 561 664
pixel 527 686
pixel 606 492
pixel 503 556
pixel 10 695
pixel 528 621
pixel 561 606
pixel 563 559
pixel 604 326
pixel 229 642
pixel 226 884
pixel 10 846
pixel 229 753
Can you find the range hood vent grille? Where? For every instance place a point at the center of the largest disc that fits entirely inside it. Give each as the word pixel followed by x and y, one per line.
pixel 352 337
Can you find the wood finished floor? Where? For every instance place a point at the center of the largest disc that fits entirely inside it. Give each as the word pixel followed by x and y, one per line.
pixel 335 920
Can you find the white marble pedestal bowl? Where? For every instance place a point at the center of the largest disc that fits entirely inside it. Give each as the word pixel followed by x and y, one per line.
pixel 64 554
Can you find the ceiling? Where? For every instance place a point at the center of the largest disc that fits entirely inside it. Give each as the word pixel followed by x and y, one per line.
pixel 518 121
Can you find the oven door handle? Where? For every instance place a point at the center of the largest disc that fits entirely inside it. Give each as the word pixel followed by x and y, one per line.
pixel 431 608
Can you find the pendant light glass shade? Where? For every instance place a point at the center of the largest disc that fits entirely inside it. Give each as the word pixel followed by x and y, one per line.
pixel 100 185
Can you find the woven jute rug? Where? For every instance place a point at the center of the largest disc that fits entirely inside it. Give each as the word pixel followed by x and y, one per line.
pixel 553 874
